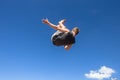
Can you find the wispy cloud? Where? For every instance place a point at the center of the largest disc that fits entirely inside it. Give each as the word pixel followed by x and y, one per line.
pixel 100 74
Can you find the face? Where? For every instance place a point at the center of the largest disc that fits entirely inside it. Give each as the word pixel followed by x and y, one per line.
pixel 76 30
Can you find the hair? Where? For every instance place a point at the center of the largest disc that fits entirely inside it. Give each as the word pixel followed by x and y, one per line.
pixel 76 30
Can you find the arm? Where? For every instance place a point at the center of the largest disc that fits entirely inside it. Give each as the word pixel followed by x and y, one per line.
pixel 67 47
pixel 45 21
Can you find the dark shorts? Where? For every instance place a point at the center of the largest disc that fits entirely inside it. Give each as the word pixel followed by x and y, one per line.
pixel 63 39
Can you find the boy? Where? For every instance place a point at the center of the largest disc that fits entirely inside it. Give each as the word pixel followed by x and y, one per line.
pixel 63 36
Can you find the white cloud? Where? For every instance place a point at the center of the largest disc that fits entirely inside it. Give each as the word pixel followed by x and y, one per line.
pixel 102 73
pixel 114 79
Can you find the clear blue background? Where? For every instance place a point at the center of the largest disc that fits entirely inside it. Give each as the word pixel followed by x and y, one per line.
pixel 26 51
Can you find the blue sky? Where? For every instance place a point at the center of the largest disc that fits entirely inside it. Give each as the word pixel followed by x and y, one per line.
pixel 26 52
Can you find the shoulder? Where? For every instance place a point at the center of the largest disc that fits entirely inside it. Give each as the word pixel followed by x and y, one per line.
pixel 73 33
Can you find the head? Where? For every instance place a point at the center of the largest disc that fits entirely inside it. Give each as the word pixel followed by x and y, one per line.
pixel 76 30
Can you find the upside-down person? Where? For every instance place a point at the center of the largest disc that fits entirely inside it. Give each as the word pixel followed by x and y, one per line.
pixel 63 36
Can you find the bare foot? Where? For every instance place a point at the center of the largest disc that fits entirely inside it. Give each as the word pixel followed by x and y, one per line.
pixel 45 21
pixel 62 21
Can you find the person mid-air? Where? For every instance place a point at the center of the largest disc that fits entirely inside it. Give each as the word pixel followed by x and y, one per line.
pixel 63 36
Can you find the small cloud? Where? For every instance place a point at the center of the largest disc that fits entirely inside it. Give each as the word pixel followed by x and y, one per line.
pixel 102 73
pixel 114 79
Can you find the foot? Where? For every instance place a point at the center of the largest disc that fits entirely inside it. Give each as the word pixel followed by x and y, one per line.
pixel 45 21
pixel 62 21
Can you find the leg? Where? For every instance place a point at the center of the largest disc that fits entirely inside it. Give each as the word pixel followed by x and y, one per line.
pixel 56 27
pixel 61 24
pixel 46 21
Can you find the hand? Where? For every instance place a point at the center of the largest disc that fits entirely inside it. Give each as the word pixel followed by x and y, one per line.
pixel 45 21
pixel 67 47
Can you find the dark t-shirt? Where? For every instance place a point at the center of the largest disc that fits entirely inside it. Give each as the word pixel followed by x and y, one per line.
pixel 61 38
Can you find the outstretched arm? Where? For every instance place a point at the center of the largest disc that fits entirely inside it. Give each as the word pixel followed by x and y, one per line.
pixel 46 21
